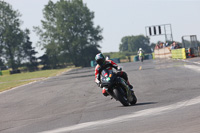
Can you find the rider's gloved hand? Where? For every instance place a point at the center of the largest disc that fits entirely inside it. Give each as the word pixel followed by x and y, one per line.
pixel 119 68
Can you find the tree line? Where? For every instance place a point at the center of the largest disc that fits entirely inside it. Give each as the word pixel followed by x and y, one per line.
pixel 15 45
pixel 67 34
pixel 133 43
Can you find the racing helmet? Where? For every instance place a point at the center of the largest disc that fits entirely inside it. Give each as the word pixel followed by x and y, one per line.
pixel 140 48
pixel 100 59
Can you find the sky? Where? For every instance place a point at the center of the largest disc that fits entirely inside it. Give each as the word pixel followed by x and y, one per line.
pixel 120 18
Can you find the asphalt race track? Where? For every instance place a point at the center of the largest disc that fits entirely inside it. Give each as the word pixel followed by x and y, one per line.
pixel 168 93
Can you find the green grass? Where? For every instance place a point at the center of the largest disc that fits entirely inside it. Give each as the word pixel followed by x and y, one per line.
pixel 10 81
pixel 10 85
pixel 5 72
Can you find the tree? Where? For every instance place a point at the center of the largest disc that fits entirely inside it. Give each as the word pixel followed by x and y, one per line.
pixel 133 43
pixel 1 63
pixel 1 55
pixel 68 30
pixel 29 52
pixel 124 44
pixel 12 38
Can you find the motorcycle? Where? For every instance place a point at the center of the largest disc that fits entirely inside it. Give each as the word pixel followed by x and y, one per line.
pixel 117 88
pixel 141 56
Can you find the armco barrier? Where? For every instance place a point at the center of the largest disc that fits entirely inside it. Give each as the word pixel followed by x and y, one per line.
pixel 136 58
pixel 178 53
pixel 116 60
pixel 162 53
pixel 150 56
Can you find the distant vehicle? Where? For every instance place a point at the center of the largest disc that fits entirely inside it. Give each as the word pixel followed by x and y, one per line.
pixel 141 54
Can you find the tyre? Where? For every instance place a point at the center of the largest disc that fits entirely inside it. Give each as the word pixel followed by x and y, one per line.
pixel 141 58
pixel 134 99
pixel 120 97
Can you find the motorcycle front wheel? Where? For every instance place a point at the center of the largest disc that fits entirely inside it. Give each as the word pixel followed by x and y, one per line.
pixel 133 102
pixel 141 58
pixel 121 97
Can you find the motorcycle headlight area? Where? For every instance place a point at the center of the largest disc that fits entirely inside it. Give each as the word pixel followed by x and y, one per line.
pixel 108 79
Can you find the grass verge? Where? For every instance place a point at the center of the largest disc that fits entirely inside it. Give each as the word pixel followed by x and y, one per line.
pixel 10 81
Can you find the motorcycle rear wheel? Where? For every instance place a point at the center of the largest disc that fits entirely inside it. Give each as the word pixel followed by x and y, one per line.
pixel 120 97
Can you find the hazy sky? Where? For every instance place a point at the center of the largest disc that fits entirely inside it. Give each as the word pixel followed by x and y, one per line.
pixel 120 18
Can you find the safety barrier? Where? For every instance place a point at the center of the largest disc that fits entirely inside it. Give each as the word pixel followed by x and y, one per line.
pixel 162 53
pixel 178 53
pixel 116 60
pixel 153 55
pixel 199 50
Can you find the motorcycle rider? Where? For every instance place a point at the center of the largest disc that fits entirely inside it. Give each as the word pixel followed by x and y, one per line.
pixel 140 52
pixel 102 64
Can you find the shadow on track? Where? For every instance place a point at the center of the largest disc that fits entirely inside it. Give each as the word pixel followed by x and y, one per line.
pixel 139 104
pixel 147 103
